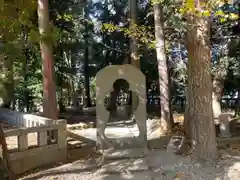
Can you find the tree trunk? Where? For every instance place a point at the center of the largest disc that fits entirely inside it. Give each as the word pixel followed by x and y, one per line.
pixel 61 104
pixel 187 119
pixel 199 107
pixel 8 82
pixel 114 93
pixel 26 51
pixel 49 87
pixel 87 97
pixel 6 172
pixel 217 96
pixel 75 102
pixel 237 109
pixel 135 60
pixel 170 99
pixel 166 120
pixel 25 76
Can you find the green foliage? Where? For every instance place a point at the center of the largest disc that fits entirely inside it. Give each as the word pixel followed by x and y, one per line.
pixel 140 32
pixel 15 14
pixel 207 9
pixel 107 44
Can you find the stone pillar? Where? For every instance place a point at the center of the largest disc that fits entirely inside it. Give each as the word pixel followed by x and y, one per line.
pixel 62 134
pixel 62 138
pixel 42 138
pixel 22 141
pixel 224 120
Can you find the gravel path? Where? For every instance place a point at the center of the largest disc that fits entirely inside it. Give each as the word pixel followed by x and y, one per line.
pixel 162 165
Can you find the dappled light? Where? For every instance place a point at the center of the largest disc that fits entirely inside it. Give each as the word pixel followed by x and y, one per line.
pixel 108 90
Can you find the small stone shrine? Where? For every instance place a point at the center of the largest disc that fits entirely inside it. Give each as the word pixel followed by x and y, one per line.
pixel 104 84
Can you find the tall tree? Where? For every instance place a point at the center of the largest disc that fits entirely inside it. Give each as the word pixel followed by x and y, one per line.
pixel 8 82
pixel 166 120
pixel 199 92
pixel 87 98
pixel 135 60
pixel 49 89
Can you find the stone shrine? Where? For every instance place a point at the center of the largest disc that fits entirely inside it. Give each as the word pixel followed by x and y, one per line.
pixel 104 84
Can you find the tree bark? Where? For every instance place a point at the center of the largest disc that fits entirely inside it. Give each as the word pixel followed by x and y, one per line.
pixel 25 76
pixel 199 106
pixel 237 109
pixel 49 87
pixel 114 93
pixel 6 172
pixel 166 120
pixel 87 97
pixel 135 60
pixel 8 83
pixel 133 41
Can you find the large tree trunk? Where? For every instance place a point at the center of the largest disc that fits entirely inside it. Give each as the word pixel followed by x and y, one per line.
pixel 166 120
pixel 199 106
pixel 5 168
pixel 114 93
pixel 135 60
pixel 217 96
pixel 49 87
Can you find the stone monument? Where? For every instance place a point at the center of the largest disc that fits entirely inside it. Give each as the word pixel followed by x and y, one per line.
pixel 224 120
pixel 104 84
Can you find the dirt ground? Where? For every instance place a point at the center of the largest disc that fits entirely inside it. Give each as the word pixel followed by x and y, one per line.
pixel 162 166
pixel 82 165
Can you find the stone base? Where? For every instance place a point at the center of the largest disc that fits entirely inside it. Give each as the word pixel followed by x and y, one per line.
pixel 126 165
pixel 224 135
pixel 111 154
pixel 33 158
pixel 124 160
pixel 176 144
pixel 122 143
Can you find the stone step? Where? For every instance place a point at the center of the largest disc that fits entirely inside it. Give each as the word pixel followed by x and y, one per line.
pixel 112 154
pixel 123 166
